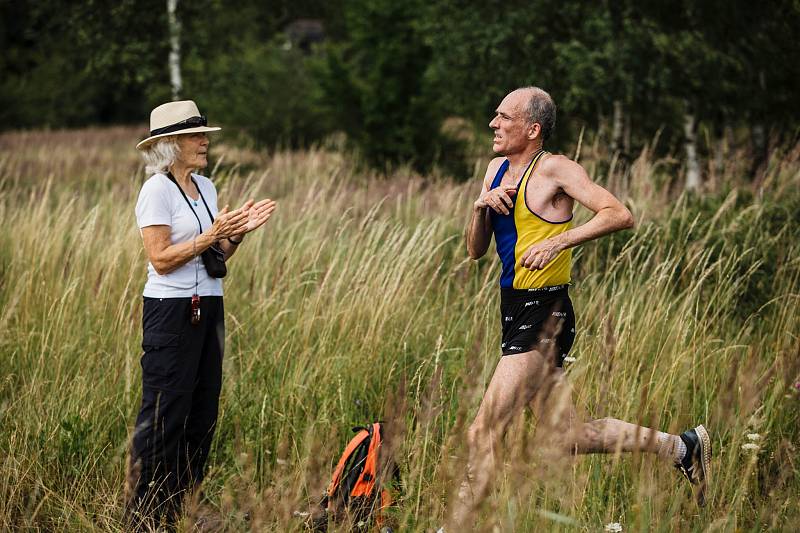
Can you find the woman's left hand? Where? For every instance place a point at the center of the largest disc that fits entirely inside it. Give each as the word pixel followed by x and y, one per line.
pixel 258 213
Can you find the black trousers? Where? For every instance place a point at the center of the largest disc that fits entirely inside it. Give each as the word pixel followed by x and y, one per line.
pixel 181 383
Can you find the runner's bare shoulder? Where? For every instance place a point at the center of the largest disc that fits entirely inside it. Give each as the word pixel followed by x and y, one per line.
pixel 556 165
pixel 561 169
pixel 491 171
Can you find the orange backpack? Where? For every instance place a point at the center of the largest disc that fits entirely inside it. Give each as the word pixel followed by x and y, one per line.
pixel 357 488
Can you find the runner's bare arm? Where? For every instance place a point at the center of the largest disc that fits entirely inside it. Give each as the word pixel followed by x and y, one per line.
pixel 479 230
pixel 609 213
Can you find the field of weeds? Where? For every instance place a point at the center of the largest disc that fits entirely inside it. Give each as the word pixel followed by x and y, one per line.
pixel 357 302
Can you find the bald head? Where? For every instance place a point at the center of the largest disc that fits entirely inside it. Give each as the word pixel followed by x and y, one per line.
pixel 538 106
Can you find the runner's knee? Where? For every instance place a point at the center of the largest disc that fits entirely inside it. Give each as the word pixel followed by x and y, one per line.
pixel 474 434
pixel 478 434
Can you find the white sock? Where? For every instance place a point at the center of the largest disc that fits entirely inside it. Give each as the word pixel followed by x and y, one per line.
pixel 670 447
pixel 681 449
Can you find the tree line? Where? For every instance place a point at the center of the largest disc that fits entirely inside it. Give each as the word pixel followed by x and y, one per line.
pixel 389 74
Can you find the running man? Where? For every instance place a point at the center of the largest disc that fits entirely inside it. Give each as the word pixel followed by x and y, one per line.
pixel 526 201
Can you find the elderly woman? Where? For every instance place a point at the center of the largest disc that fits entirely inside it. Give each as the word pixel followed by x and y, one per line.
pixel 187 241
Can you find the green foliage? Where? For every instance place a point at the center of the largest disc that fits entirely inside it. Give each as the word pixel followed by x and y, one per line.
pixel 392 72
pixel 725 228
pixel 484 50
pixel 263 90
pixel 376 85
pixel 73 438
pixel 81 63
pixel 756 232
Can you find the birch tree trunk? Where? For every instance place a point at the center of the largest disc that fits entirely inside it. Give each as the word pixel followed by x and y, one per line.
pixel 719 155
pixel 616 126
pixel 175 49
pixel 626 135
pixel 692 166
pixel 758 136
pixel 721 152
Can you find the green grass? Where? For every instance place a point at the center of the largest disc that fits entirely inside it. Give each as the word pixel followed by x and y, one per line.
pixel 357 302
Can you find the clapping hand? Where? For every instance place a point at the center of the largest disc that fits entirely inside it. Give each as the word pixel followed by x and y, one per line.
pixel 257 214
pixel 228 223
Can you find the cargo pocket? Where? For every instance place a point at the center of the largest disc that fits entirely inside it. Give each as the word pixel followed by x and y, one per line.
pixel 160 358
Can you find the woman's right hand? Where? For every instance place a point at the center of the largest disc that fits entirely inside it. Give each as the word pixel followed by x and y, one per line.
pixel 228 223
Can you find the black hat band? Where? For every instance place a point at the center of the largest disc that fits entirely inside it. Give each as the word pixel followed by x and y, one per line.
pixel 192 122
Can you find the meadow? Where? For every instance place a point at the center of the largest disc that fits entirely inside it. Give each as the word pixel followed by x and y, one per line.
pixel 357 302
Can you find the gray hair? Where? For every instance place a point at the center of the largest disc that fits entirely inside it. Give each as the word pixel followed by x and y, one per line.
pixel 540 108
pixel 160 154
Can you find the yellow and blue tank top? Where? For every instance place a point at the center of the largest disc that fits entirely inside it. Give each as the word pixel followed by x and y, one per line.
pixel 521 228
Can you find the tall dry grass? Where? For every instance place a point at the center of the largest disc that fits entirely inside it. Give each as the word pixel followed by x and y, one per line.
pixel 356 302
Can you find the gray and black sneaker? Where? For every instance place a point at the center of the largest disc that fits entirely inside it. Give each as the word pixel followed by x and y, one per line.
pixel 696 464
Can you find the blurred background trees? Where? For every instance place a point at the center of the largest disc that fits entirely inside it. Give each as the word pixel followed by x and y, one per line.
pixel 390 75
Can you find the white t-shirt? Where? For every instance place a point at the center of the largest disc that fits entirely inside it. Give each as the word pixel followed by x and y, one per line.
pixel 162 204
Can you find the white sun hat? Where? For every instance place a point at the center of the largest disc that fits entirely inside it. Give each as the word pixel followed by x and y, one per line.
pixel 176 118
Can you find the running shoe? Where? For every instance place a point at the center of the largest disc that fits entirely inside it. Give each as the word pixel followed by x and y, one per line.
pixel 696 464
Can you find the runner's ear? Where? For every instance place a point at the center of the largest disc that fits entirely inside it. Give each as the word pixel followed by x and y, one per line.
pixel 534 131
